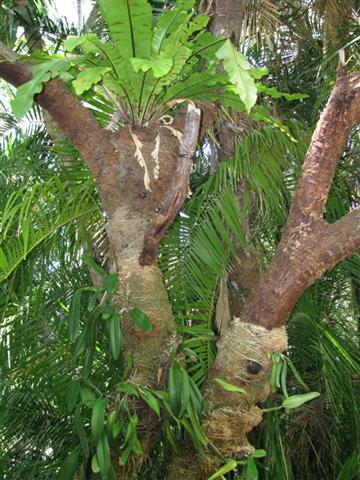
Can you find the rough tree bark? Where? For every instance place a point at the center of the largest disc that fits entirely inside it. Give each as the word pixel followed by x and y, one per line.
pixel 308 248
pixel 227 20
pixel 131 206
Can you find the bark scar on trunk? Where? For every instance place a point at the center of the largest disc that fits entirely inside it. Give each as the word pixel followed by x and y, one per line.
pixel 178 190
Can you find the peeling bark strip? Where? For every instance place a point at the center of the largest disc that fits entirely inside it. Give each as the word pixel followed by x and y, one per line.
pixel 178 190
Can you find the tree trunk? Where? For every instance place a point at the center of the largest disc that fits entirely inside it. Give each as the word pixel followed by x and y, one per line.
pixel 308 248
pixel 142 287
pixel 134 230
pixel 227 18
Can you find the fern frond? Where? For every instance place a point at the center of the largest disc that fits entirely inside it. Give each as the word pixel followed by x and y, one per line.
pixel 129 23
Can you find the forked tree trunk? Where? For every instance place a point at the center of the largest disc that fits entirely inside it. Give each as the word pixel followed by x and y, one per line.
pixel 308 248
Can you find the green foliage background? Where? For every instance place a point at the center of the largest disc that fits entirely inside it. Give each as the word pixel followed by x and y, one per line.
pixel 50 210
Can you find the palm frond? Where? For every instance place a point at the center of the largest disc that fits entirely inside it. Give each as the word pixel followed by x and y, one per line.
pixel 31 216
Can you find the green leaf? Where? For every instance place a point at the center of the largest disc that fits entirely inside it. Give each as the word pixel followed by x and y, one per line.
pixel 93 300
pixel 196 85
pixel 117 427
pixel 130 26
pixel 237 67
pixel 89 43
pixel 228 467
pixel 276 369
pixel 251 472
pixel 107 311
pixel 179 56
pixel 283 378
pixel 274 92
pixel 296 401
pixel 110 423
pixel 185 391
pixel 141 320
pixel 196 396
pixel 149 398
pixel 196 425
pixel 66 77
pixel 170 435
pixel 127 388
pixel 199 446
pixel 159 66
pixel 87 78
pixel 197 24
pixel 94 265
pixel 41 74
pixel 87 396
pixel 23 100
pixel 175 388
pixel 131 429
pixel 80 343
pixel 260 453
pixel 125 455
pixel 3 260
pixel 351 468
pixel 98 417
pixel 72 42
pixel 229 386
pixel 259 72
pixel 111 282
pixel 69 467
pixel 74 316
pixel 95 464
pixel 206 44
pixel 72 394
pixel 80 430
pixel 296 374
pixel 44 221
pixel 25 234
pixel 170 23
pixel 116 338
pixel 103 454
pixel 89 359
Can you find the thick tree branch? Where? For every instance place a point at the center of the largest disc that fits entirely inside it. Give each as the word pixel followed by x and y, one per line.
pixel 329 140
pixel 78 124
pixel 178 190
pixel 308 248
pixel 342 239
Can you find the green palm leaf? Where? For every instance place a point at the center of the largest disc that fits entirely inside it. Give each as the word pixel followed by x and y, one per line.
pixel 31 216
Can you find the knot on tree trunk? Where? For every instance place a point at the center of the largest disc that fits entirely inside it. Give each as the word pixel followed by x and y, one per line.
pixel 247 363
pixel 232 415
